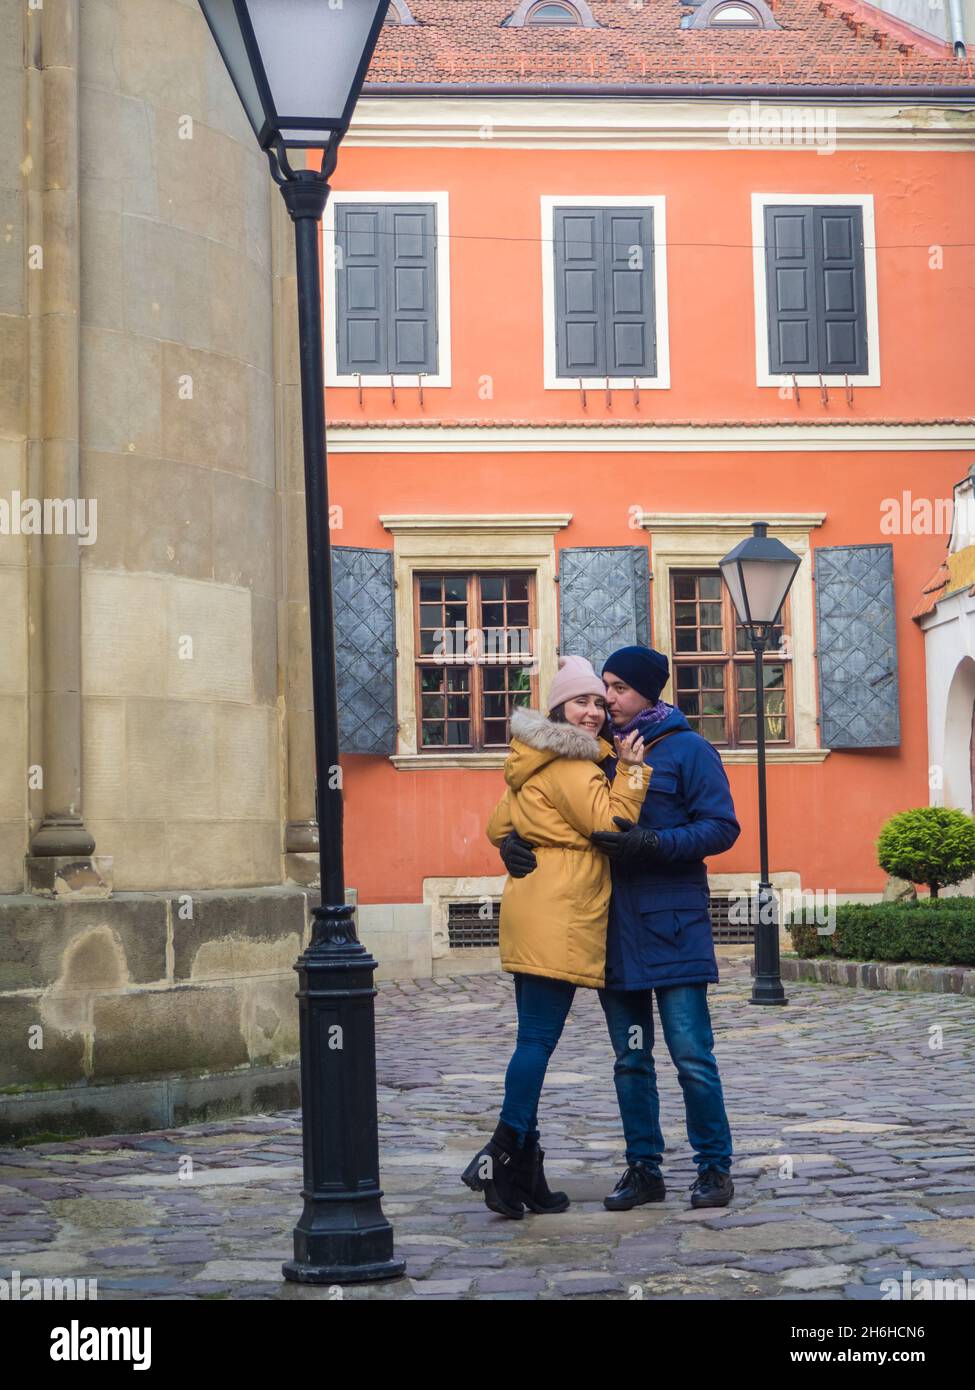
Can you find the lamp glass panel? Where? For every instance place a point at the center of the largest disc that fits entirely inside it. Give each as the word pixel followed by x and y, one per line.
pixel 767 583
pixel 223 21
pixel 732 577
pixel 311 54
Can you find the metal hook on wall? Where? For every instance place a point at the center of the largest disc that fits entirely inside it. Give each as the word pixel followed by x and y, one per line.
pixel 609 396
pixel 795 386
pixel 823 390
pixel 849 389
pixel 419 384
pixel 636 393
pixel 582 392
pixel 392 388
pixel 358 377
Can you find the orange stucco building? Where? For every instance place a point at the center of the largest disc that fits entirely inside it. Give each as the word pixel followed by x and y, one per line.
pixel 585 338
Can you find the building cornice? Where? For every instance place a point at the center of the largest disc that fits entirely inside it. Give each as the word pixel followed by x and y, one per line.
pixel 739 122
pixel 613 437
pixel 674 522
pixel 493 524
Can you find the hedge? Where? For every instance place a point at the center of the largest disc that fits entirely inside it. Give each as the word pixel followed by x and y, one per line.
pixel 938 930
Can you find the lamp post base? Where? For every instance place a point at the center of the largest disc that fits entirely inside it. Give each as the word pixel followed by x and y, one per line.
pixel 343 1241
pixel 767 993
pixel 297 1273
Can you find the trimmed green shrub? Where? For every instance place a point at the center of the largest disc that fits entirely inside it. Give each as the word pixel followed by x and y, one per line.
pixel 937 931
pixel 930 844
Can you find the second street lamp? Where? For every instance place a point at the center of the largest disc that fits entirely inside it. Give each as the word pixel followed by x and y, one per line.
pixel 759 573
pixel 298 67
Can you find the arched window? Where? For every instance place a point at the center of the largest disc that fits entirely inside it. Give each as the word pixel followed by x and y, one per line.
pixel 551 14
pixel 399 13
pixel 735 17
pixel 731 14
pixel 545 13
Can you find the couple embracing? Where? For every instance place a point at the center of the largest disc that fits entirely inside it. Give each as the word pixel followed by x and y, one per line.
pixel 604 842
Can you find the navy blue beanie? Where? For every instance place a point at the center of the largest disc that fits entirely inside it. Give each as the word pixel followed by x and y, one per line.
pixel 644 669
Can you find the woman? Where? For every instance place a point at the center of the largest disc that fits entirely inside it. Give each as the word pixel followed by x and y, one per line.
pixel 553 921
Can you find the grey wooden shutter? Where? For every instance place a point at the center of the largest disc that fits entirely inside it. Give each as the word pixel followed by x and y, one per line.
pixel 816 289
pixel 579 294
pixel 360 283
pixel 604 310
pixel 365 649
pixel 412 288
pixel 604 600
pixel 386 287
pixel 631 348
pixel 841 287
pixel 790 278
pixel 856 643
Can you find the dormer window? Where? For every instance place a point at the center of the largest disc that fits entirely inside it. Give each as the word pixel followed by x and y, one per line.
pixel 399 13
pixel 735 17
pixel 731 14
pixel 552 14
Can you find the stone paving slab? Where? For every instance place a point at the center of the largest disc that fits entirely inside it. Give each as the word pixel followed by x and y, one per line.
pixel 855 1162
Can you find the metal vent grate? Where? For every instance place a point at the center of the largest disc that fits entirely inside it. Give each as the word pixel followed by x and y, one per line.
pixel 470 924
pixel 725 931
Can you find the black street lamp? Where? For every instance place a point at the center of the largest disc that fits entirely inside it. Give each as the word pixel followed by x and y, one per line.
pixel 298 67
pixel 759 573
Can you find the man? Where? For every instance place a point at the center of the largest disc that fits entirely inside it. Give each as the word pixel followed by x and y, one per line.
pixel 659 936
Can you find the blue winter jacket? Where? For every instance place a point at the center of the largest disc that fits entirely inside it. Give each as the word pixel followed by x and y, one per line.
pixel 659 921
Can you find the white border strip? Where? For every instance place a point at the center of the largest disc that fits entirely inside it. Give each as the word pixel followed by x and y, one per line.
pixel 628 123
pixel 330 308
pixel 653 439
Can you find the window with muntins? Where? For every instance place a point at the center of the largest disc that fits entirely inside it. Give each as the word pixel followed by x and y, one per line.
pixel 714 665
pixel 474 636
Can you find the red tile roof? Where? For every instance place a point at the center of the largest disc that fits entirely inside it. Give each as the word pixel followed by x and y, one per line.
pixel 821 43
pixel 932 591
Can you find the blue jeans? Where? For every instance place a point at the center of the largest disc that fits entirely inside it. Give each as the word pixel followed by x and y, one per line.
pixel 686 1022
pixel 543 1006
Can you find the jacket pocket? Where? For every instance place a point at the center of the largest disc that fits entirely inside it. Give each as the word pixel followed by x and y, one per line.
pixel 676 933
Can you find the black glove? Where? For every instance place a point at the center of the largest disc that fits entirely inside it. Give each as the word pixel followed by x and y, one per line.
pixel 633 846
pixel 518 855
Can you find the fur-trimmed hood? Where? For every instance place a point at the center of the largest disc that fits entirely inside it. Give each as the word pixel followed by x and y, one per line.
pixel 537 740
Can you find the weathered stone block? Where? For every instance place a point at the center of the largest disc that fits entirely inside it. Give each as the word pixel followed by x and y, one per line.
pixel 66 876
pixel 227 931
pixel 149 1033
pixel 82 945
pixel 46 1057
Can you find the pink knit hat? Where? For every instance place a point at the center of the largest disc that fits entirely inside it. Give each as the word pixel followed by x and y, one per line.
pixel 575 677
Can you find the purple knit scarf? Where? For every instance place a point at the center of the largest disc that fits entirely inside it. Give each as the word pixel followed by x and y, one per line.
pixel 646 721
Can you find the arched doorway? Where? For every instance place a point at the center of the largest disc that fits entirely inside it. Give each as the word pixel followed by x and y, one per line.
pixel 959 747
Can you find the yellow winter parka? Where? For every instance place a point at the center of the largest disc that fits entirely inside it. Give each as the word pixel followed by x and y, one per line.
pixel 553 921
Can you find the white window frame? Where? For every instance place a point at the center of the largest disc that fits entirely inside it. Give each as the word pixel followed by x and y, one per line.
pixel 333 377
pixel 764 377
pixel 554 382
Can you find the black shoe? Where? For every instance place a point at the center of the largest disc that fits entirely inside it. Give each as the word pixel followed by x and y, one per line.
pixel 640 1183
pixel 492 1171
pixel 531 1184
pixel 712 1188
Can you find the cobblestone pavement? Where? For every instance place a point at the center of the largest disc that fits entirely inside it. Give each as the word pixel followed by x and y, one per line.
pixel 852 1111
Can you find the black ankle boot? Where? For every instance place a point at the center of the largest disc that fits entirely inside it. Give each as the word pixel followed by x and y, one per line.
pixel 532 1185
pixel 640 1183
pixel 712 1188
pixel 493 1170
